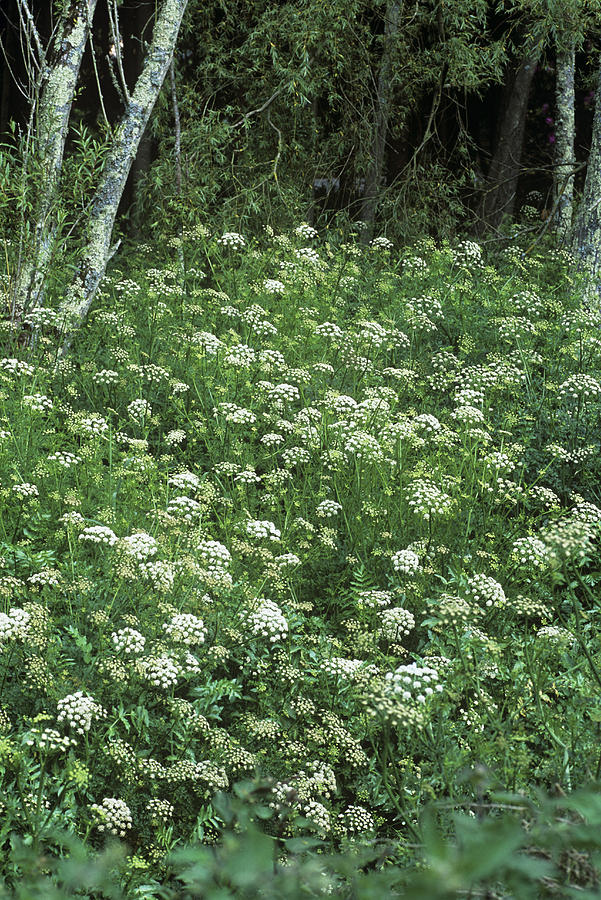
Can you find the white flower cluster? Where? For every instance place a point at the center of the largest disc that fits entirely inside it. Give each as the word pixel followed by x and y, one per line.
pixel 267 620
pixel 580 387
pixel 406 562
pixel 106 377
pixel 139 409
pixel 93 425
pixel 128 641
pixel 159 573
pixel 426 499
pixel 304 230
pixel 356 820
pixel 361 445
pixel 282 394
pixel 272 440
pixel 15 366
pixel 396 623
pixel 175 437
pixel 231 239
pixel 240 355
pixel 413 682
pixel 13 625
pixel 286 560
pixel 184 508
pixel 25 490
pixel 113 816
pixel 484 589
pixel 339 667
pixel 141 546
pixel 37 402
pixel 98 534
pixel 209 342
pixel 65 459
pixel 329 330
pixel 78 711
pixel 261 530
pixel 468 415
pixel 468 255
pixel 415 265
pixel 235 415
pixel 50 741
pixel 160 810
pixel 327 509
pixel 186 628
pixel 185 481
pixel 316 813
pixel 530 551
pixel 307 254
pixel 427 423
pixel 215 557
pixel 381 243
pixel 160 671
pixel 295 456
pixel 273 286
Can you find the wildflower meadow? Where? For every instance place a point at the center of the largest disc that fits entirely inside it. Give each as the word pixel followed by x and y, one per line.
pixel 300 573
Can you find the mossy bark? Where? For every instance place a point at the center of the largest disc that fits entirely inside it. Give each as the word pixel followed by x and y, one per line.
pixel 56 90
pixel 564 139
pixel 586 244
pixel 127 137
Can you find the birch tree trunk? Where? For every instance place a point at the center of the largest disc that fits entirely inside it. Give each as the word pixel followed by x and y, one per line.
pixel 499 197
pixel 127 137
pixel 564 133
pixel 586 243
pixel 60 65
pixel 373 178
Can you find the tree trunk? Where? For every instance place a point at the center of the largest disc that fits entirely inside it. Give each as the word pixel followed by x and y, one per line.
pixel 564 134
pixel 586 244
pixel 126 140
pixel 60 70
pixel 499 197
pixel 373 178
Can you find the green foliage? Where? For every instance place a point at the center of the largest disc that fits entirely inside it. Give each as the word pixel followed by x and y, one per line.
pixel 321 516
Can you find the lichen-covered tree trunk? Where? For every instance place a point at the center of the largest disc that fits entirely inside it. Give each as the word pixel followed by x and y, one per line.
pixel 564 139
pixel 383 104
pixel 586 243
pixel 126 139
pixel 57 83
pixel 501 183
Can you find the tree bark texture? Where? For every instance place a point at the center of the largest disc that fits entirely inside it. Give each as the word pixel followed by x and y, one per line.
pixel 58 80
pixel 586 243
pixel 383 103
pixel 499 197
pixel 125 143
pixel 564 139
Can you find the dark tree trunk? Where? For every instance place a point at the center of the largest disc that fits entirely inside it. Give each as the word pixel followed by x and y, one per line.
pixel 498 200
pixel 383 102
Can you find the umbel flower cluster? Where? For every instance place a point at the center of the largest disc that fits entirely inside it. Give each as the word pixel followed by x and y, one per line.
pixel 326 517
